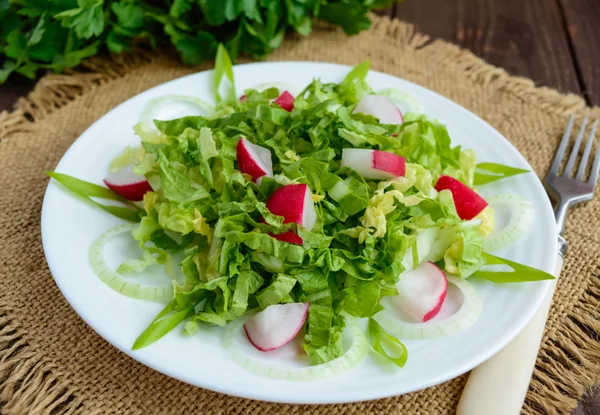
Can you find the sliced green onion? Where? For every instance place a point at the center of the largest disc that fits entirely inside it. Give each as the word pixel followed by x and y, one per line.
pixel 86 191
pixel 119 283
pixel 224 69
pixel 518 272
pixel 490 172
pixel 349 360
pixel 521 219
pixel 407 103
pixel 378 337
pixel 360 72
pixel 162 108
pixel 465 316
pixel 162 324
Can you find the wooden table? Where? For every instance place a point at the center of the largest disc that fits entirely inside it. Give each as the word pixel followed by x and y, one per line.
pixel 554 42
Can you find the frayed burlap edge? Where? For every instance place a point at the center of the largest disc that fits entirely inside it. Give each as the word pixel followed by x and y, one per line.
pixel 569 360
pixel 570 356
pixel 53 91
pixel 29 383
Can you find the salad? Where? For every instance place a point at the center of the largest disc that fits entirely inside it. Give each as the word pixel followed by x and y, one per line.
pixel 279 215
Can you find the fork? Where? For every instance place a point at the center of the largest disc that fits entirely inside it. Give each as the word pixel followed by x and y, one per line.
pixel 566 190
pixel 499 385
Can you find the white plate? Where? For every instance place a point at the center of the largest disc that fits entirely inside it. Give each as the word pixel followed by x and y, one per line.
pixel 69 226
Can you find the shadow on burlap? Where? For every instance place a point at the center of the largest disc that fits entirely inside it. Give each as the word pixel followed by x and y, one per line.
pixel 52 362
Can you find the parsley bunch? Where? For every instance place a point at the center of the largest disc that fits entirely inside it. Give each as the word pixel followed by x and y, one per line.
pixel 57 34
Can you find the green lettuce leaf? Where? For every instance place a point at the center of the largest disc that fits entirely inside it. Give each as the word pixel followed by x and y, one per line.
pixel 466 168
pixel 427 143
pixel 323 339
pixel 139 265
pixel 363 298
pixel 276 291
pixel 176 185
pixel 130 156
pixel 465 255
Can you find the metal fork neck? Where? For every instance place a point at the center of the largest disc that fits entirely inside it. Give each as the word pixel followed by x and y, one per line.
pixel 560 213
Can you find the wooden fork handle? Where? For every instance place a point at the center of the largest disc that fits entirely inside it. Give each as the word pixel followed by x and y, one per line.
pixel 499 385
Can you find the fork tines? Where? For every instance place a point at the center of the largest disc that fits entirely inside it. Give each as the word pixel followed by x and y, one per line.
pixel 583 164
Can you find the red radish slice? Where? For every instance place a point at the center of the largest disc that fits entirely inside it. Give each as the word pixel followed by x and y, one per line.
pixel 421 292
pixel 380 107
pixel 254 160
pixel 468 203
pixel 374 164
pixel 289 237
pixel 128 184
pixel 285 101
pixel 276 325
pixel 294 202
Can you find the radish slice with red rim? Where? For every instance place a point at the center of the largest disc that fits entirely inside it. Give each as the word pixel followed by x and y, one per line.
pixel 232 342
pixel 460 310
pixel 520 219
pixel 380 107
pixel 295 203
pixel 286 101
pixel 276 325
pixel 466 200
pixel 374 164
pixel 254 160
pixel 421 292
pixel 406 102
pixel 127 184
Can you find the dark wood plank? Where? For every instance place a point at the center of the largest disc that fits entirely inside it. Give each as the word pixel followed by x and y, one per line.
pixel 526 38
pixel 589 403
pixel 390 12
pixel 582 19
pixel 14 88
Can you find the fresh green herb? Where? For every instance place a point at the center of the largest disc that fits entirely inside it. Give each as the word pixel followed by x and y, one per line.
pixel 58 34
pixel 490 172
pixel 518 273
pixel 86 191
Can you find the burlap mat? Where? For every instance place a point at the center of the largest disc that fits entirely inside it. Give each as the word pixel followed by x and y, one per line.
pixel 52 362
